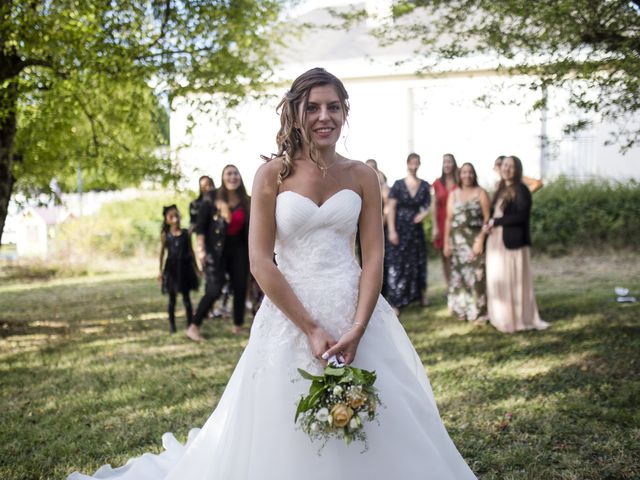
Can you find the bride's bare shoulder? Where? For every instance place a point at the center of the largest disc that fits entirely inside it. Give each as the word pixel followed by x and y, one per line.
pixel 361 169
pixel 271 164
pixel 266 177
pixel 361 175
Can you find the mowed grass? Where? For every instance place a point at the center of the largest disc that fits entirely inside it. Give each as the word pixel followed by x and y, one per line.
pixel 89 374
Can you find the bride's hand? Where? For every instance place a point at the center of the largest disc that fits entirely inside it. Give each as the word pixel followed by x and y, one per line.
pixel 320 341
pixel 345 349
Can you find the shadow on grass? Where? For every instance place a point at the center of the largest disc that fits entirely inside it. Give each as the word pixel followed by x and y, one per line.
pixel 557 404
pixel 90 375
pixel 60 310
pixel 97 360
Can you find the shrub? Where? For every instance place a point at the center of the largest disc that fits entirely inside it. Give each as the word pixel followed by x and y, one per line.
pixel 121 228
pixel 592 215
pixel 566 215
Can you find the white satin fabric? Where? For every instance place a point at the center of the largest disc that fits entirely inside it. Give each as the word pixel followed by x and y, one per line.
pixel 251 435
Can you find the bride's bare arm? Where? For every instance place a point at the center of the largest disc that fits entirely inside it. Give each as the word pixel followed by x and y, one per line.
pixel 372 248
pixel 262 234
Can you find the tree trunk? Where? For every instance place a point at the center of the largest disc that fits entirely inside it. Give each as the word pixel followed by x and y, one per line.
pixel 8 124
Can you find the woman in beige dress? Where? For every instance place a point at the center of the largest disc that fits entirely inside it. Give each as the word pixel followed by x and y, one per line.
pixel 511 301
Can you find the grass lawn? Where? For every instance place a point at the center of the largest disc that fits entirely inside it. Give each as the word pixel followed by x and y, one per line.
pixel 89 374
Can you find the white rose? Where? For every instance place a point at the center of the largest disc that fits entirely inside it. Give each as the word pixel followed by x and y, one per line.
pixel 353 423
pixel 337 390
pixel 315 427
pixel 322 415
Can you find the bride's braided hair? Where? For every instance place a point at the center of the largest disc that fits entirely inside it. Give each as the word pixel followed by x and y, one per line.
pixel 292 134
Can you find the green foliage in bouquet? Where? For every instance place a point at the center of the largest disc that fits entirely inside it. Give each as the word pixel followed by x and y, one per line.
pixel 338 403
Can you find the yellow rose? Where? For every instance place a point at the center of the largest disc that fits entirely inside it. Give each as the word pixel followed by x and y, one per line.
pixel 357 400
pixel 341 414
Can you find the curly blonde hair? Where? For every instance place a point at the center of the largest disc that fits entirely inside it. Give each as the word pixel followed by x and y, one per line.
pixel 290 137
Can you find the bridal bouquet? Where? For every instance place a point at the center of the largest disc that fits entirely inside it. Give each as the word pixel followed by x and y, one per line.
pixel 338 403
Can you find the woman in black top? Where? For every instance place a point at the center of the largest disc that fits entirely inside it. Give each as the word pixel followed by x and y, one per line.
pixel 211 228
pixel 511 301
pixel 206 185
pixel 223 247
pixel 235 256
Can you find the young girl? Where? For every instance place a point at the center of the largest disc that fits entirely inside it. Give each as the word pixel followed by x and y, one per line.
pixel 178 273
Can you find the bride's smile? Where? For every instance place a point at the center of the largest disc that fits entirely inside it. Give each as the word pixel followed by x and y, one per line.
pixel 323 116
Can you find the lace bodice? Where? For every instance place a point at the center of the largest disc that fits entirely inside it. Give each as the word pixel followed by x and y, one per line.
pixel 315 253
pixel 316 242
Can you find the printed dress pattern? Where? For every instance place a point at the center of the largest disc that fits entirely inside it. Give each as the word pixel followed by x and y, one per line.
pixel 467 297
pixel 406 263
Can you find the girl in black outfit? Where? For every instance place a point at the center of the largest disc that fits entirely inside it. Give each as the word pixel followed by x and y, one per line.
pixel 235 256
pixel 178 273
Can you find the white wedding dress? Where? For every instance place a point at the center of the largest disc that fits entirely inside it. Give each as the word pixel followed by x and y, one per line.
pixel 251 434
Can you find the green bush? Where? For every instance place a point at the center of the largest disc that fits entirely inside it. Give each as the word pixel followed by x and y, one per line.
pixel 566 215
pixel 121 228
pixel 597 214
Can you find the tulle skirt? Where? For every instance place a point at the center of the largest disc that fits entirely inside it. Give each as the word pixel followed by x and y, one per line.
pixel 251 434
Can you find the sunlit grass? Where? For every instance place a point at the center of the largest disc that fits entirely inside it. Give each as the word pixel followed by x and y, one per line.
pixel 89 374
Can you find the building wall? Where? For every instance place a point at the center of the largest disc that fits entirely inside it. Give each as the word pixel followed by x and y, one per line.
pixel 392 115
pixel 32 239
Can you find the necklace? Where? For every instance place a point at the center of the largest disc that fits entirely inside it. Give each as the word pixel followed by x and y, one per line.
pixel 324 168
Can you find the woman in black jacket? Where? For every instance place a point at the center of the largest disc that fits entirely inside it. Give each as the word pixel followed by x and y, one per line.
pixel 511 301
pixel 206 185
pixel 235 256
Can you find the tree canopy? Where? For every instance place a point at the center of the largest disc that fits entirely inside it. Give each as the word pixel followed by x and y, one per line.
pixel 83 83
pixel 589 47
pixel 115 133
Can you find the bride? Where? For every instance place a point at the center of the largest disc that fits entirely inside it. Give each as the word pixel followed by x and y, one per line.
pixel 308 202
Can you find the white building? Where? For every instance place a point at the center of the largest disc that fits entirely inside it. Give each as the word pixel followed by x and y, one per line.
pixel 36 230
pixel 394 111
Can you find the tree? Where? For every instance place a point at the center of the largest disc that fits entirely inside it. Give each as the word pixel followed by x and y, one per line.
pixel 590 47
pixel 114 134
pixel 76 77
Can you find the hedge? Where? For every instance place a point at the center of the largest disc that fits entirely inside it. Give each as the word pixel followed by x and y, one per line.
pixel 121 228
pixel 598 214
pixel 566 215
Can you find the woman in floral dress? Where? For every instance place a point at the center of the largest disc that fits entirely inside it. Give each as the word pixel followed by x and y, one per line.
pixel 468 208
